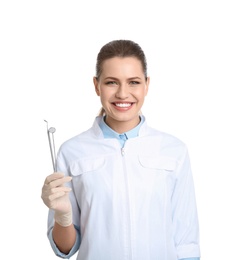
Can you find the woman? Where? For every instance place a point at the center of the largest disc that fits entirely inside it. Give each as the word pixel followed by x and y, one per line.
pixel 123 190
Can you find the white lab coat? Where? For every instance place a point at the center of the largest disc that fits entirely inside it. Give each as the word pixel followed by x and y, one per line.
pixel 135 203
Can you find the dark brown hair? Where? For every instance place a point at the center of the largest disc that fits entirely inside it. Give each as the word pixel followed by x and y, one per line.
pixel 120 48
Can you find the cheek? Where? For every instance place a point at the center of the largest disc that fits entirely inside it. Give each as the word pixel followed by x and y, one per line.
pixel 141 94
pixel 104 96
pixel 107 93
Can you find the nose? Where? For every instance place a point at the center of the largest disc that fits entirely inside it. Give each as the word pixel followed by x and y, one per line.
pixel 122 92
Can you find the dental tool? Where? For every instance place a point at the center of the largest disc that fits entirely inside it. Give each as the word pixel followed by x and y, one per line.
pixel 50 133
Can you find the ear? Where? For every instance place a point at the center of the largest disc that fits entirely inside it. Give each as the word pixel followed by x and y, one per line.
pixel 147 85
pixel 95 82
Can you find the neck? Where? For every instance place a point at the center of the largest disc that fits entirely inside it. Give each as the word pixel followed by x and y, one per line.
pixel 122 126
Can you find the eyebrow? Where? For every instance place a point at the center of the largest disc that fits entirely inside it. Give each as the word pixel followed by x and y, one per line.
pixel 132 78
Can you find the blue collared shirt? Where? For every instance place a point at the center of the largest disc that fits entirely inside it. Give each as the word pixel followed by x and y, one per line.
pixel 108 132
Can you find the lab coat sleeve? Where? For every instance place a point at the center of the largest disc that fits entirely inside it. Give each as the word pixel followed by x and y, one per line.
pixel 184 211
pixel 58 252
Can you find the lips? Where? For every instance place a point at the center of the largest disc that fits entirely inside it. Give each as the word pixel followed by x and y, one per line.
pixel 122 105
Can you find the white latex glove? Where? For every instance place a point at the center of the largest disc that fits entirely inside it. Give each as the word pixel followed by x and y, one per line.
pixel 56 196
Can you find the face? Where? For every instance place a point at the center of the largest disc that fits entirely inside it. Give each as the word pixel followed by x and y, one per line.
pixel 122 88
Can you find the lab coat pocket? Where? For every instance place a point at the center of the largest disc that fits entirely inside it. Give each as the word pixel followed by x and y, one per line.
pixel 158 163
pixel 86 165
pixel 159 174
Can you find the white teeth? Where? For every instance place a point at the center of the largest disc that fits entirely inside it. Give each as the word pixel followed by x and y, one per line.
pixel 123 104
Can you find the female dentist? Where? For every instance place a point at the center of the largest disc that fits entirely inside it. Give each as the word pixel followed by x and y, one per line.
pixel 122 190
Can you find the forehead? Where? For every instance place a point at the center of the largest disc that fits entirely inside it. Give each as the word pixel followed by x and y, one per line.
pixel 120 65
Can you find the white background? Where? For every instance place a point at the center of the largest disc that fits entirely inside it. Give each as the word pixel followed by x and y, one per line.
pixel 47 60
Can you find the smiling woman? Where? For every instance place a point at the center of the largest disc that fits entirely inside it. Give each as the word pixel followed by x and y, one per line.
pixel 122 189
pixel 122 94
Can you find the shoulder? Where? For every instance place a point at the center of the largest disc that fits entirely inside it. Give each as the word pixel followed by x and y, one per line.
pixel 158 142
pixel 159 135
pixel 166 136
pixel 76 141
pixel 89 135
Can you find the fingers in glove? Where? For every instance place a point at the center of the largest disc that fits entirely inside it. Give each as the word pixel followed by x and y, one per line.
pixel 58 193
pixel 56 180
pixel 54 176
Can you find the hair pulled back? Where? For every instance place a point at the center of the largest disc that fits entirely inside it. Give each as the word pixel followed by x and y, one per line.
pixel 120 48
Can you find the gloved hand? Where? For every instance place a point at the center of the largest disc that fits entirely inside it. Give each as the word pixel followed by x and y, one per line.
pixel 56 196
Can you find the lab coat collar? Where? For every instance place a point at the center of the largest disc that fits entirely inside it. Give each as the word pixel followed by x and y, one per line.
pixel 97 131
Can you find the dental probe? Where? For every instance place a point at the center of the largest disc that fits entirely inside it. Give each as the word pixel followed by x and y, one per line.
pixel 50 133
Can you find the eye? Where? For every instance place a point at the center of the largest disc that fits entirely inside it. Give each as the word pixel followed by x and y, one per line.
pixel 111 83
pixel 134 82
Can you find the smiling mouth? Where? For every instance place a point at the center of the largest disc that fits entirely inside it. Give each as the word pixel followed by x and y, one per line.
pixel 125 105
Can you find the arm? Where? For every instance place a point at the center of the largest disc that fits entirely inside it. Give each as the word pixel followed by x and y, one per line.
pixel 184 212
pixel 64 237
pixel 56 197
